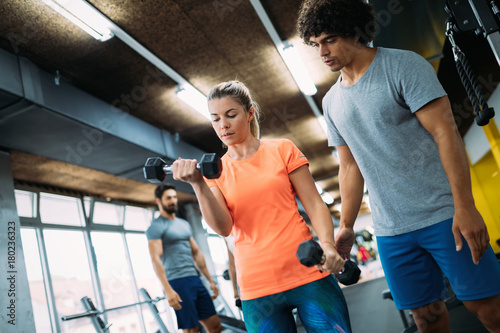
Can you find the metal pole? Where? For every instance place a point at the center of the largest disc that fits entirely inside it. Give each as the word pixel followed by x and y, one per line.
pixel 131 268
pixel 154 310
pixel 99 324
pixel 494 41
pixel 487 22
pixel 93 311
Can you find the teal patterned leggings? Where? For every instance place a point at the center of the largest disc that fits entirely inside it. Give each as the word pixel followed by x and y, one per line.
pixel 320 304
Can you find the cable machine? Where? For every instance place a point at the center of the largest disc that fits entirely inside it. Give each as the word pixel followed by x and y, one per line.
pixel 481 17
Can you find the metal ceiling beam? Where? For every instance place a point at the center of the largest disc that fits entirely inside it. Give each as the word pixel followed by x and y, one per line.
pixel 51 118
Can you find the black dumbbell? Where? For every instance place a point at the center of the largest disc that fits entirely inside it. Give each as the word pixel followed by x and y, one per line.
pixel 310 253
pixel 225 275
pixel 237 302
pixel 155 168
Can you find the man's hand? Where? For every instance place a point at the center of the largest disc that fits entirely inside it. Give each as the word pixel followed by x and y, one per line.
pixel 470 224
pixel 174 300
pixel 344 240
pixel 215 290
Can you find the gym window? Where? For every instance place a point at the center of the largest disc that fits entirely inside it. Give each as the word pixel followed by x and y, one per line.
pixel 107 213
pixel 26 203
pixel 59 209
pixel 76 246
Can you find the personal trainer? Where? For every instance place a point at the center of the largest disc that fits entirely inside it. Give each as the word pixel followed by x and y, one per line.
pixel 255 198
pixel 176 258
pixel 392 125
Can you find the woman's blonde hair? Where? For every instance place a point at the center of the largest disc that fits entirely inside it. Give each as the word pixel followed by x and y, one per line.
pixel 240 93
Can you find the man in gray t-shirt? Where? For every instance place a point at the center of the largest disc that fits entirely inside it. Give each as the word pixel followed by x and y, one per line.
pixel 176 258
pixel 392 125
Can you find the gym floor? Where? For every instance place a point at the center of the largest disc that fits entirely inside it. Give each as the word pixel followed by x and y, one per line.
pixel 370 313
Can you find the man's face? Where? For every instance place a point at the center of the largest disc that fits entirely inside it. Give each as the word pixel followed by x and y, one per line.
pixel 336 52
pixel 169 201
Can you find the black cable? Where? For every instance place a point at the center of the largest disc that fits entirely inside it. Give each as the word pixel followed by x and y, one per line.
pixel 472 79
pixel 467 85
pixel 483 113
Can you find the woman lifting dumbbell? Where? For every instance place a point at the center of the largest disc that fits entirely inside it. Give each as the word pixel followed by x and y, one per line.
pixel 255 198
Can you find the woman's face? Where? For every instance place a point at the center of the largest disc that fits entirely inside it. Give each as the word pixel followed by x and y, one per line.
pixel 230 120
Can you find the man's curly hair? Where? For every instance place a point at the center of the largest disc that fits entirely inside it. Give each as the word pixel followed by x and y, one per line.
pixel 344 18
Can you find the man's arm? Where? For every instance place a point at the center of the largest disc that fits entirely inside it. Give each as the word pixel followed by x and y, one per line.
pixel 156 252
pixel 200 263
pixel 351 192
pixel 437 118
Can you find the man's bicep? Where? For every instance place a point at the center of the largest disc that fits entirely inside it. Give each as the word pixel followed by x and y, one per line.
pixel 349 169
pixel 345 154
pixel 436 116
pixel 195 249
pixel 155 248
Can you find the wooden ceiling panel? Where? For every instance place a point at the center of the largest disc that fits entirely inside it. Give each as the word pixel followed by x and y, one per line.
pixel 40 170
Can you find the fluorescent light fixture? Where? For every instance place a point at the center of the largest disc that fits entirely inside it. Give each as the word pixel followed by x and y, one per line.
pixel 327 198
pixel 320 190
pixel 194 98
pixel 85 16
pixel 338 207
pixel 322 123
pixel 299 72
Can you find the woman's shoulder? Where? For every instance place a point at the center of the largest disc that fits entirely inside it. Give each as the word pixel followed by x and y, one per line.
pixel 281 142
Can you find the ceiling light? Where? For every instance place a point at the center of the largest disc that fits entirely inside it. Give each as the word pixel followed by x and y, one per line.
pixel 338 207
pixel 194 98
pixel 319 188
pixel 322 123
pixel 327 198
pixel 99 26
pixel 288 53
pixel 85 16
pixel 299 72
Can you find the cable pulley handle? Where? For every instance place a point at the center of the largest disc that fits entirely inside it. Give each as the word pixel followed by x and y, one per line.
pixel 483 113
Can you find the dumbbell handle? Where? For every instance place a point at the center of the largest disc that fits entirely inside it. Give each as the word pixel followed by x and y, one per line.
pixel 323 259
pixel 168 168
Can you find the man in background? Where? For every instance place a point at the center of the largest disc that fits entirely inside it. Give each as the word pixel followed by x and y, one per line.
pixel 177 261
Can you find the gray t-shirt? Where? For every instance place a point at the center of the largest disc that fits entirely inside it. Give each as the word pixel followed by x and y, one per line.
pixel 177 257
pixel 397 156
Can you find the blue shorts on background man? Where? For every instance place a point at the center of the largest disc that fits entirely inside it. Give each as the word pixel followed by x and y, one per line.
pixel 196 301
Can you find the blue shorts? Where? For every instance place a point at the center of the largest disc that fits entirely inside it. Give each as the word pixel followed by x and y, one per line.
pixel 414 264
pixel 321 307
pixel 196 301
